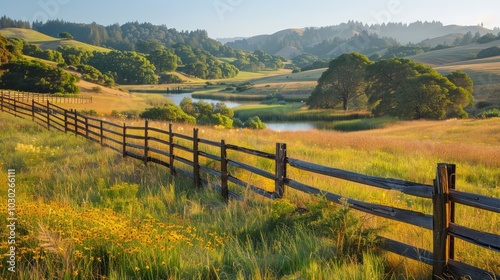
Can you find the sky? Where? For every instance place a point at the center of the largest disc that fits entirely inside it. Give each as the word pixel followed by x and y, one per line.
pixel 244 18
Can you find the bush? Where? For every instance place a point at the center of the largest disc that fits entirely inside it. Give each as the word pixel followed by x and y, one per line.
pixel 255 123
pixel 169 112
pixel 493 113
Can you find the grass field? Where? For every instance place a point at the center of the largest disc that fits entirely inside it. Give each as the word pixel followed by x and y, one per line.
pixel 91 213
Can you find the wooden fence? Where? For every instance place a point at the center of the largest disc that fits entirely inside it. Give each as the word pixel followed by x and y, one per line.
pixel 176 150
pixel 43 97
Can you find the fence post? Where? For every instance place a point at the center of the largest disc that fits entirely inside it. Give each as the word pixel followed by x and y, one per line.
pixel 441 222
pixel 15 108
pixel 146 142
pixel 65 121
pixel 101 133
pixel 124 148
pixel 196 159
pixel 76 123
pixel 86 127
pixel 280 172
pixel 171 149
pixel 223 170
pixel 1 102
pixel 33 110
pixel 48 115
pixel 452 169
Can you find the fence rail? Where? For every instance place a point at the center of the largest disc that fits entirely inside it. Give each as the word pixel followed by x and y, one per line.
pixel 44 97
pixel 183 154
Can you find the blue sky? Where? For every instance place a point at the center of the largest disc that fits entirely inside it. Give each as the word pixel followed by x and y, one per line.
pixel 231 18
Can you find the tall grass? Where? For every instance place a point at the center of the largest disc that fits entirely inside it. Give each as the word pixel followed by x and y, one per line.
pixel 88 213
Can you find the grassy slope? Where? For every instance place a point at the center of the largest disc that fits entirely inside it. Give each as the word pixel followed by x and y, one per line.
pixel 46 42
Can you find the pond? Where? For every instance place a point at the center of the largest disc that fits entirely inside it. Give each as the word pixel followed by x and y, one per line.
pixel 177 98
pixel 275 126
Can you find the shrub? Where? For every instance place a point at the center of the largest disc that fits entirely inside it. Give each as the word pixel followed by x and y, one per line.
pixel 493 113
pixel 255 123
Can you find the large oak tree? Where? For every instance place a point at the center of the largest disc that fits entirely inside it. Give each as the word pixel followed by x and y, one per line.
pixel 343 82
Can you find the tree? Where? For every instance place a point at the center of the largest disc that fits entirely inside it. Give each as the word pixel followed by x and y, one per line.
pixel 385 77
pixel 341 83
pixel 164 60
pixel 410 90
pixel 35 76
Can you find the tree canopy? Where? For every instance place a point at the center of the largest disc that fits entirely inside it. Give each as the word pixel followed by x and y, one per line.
pixel 396 87
pixel 341 83
pixel 409 90
pixel 36 76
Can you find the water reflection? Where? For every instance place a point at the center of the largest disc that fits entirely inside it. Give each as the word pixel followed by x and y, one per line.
pixel 177 98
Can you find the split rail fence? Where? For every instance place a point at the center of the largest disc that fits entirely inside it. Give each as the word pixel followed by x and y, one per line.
pixel 176 150
pixel 44 97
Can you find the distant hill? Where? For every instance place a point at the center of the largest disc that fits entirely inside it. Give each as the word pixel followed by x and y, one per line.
pixel 44 41
pixel 355 36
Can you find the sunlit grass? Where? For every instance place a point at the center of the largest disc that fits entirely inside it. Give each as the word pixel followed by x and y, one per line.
pixel 70 175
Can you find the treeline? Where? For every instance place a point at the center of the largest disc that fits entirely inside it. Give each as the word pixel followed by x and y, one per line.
pixel 194 48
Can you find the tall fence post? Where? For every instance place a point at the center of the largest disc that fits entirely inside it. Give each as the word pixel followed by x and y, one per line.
pixel 223 170
pixel 146 142
pixel 171 149
pixel 86 127
pixel 124 139
pixel 65 121
pixel 76 123
pixel 280 173
pixel 1 102
pixel 452 169
pixel 48 115
pixel 32 110
pixel 196 159
pixel 101 133
pixel 15 108
pixel 441 222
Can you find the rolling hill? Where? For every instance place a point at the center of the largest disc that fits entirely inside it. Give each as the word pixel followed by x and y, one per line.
pixel 46 42
pixel 323 41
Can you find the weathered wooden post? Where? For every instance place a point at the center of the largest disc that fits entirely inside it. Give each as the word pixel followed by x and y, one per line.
pixel 280 172
pixel 452 169
pixel 1 102
pixel 76 123
pixel 146 142
pixel 86 127
pixel 223 170
pixel 124 139
pixel 171 149
pixel 441 222
pixel 65 121
pixel 48 115
pixel 33 110
pixel 196 159
pixel 15 108
pixel 101 133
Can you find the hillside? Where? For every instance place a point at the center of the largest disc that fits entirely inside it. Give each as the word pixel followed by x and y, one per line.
pixel 46 42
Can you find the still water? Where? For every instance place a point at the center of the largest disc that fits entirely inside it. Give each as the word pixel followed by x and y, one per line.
pixel 275 126
pixel 177 98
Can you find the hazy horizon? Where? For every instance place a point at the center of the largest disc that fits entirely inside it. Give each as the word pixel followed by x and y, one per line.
pixel 245 18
